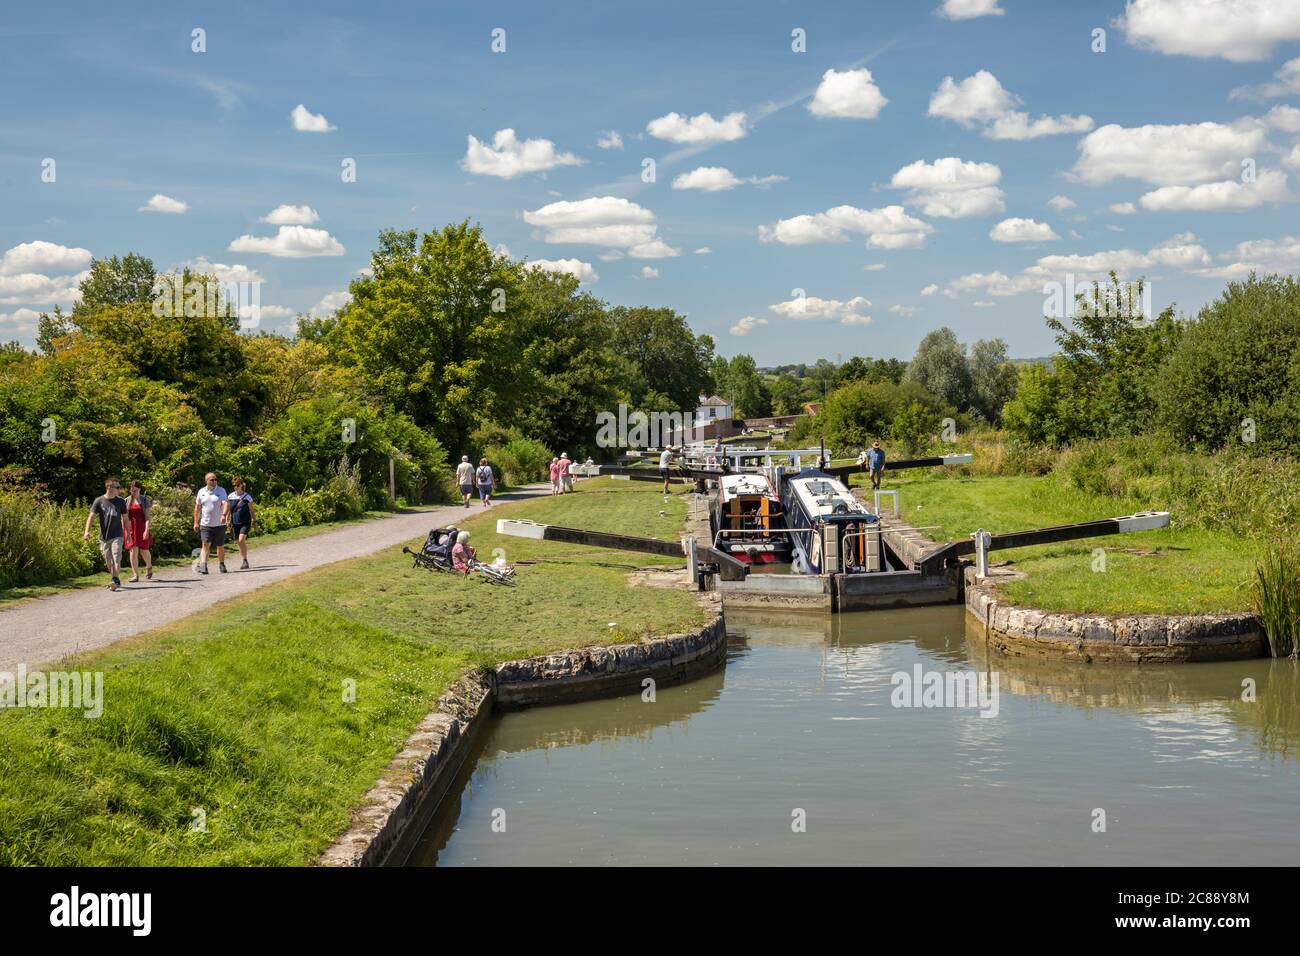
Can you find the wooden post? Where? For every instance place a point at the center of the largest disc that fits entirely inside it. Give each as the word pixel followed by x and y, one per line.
pixel 392 480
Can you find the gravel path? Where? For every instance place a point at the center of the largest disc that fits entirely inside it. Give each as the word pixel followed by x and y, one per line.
pixel 50 628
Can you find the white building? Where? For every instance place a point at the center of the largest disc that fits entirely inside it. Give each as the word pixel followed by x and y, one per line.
pixel 711 407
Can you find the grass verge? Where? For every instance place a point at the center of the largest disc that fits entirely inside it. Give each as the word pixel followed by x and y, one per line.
pixel 1176 570
pixel 239 713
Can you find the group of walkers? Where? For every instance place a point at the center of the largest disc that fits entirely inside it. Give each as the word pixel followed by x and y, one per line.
pixel 467 477
pixel 124 526
pixel 561 476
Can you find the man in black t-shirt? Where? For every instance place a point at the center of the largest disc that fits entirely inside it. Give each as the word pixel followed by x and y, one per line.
pixel 110 508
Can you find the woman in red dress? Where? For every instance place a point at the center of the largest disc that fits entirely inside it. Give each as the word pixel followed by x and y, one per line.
pixel 138 540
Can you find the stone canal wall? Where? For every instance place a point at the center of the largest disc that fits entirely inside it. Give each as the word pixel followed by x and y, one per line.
pixel 386 826
pixel 1104 638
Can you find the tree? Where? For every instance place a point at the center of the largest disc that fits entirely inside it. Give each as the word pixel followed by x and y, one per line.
pixel 668 358
pixel 993 378
pixel 1234 376
pixel 871 370
pixel 853 416
pixel 432 329
pixel 739 381
pixel 940 367
pixel 128 280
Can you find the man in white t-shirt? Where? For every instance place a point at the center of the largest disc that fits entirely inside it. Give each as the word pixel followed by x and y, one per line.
pixel 211 510
pixel 465 478
pixel 665 466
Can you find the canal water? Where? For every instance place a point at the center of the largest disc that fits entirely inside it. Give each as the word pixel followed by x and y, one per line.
pixel 796 753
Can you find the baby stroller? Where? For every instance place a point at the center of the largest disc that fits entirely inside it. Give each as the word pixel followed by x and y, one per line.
pixel 435 555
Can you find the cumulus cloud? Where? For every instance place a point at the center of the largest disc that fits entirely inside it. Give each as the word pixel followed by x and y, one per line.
pixel 1292 158
pixel 1123 208
pixel 850 94
pixel 1258 255
pixel 698 129
pixel 609 139
pixel 969 9
pixel 1179 155
pixel 582 271
pixel 905 310
pixel 1285 82
pixel 20 323
pixel 747 325
pixel 716 178
pixel 508 157
pixel 1179 252
pixel 1022 230
pixel 164 204
pixel 610 221
pixel 1285 118
pixel 931 289
pixel 305 121
pixel 649 272
pixel 1227 195
pixel 41 256
pixel 30 288
pixel 291 242
pixel 1236 30
pixel 291 216
pixel 1061 203
pixel 981 100
pixel 703 251
pixel 223 273
pixel 887 228
pixel 951 188
pixel 812 308
pixel 330 304
pixel 874 267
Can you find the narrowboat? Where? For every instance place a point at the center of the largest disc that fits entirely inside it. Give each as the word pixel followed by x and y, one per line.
pixel 748 520
pixel 831 531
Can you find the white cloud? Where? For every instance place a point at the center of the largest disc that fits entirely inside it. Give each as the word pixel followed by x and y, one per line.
pixel 969 9
pixel 1285 82
pixel 1123 208
pixel 601 221
pixel 1258 255
pixel 812 308
pixel 851 94
pixel 1019 126
pixel 981 100
pixel 887 228
pixel 747 325
pixel 582 271
pixel 1292 158
pixel 1180 155
pixel 266 311
pixel 648 272
pixel 874 267
pixel 223 272
pixel 951 188
pixel 698 129
pixel 1285 118
pixel 609 139
pixel 984 305
pixel 717 178
pixel 304 120
pixel 1228 195
pixel 165 204
pixel 30 288
pixel 1181 252
pixel 931 289
pixel 905 310
pixel 1237 30
pixel 703 251
pixel 291 242
pixel 330 304
pixel 1022 230
pixel 993 283
pixel 19 322
pixel 41 256
pixel 291 216
pixel 507 157
pixel 1061 203
pixel 611 255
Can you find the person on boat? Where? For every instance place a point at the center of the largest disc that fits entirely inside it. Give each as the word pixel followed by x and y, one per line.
pixel 876 462
pixel 462 554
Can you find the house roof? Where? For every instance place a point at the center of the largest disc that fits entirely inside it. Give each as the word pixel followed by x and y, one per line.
pixel 712 400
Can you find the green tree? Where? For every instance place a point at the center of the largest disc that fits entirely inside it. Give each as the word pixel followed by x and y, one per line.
pixel 668 358
pixel 738 380
pixel 940 367
pixel 993 378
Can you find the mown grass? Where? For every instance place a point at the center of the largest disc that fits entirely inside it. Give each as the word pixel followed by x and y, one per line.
pixel 1176 570
pixel 240 712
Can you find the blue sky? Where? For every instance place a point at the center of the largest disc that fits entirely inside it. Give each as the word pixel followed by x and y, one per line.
pixel 920 178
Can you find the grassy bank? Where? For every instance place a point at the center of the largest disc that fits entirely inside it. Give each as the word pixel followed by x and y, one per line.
pixel 240 711
pixel 1189 570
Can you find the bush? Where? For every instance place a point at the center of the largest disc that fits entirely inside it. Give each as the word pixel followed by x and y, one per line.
pixel 521 461
pixel 40 540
